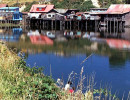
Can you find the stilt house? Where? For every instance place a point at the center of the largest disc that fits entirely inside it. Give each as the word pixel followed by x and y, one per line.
pixel 118 12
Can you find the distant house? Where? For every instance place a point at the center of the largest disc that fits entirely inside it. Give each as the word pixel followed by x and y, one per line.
pixel 10 13
pixel 3 5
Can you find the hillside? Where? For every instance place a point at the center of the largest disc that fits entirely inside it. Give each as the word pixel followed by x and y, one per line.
pixel 13 2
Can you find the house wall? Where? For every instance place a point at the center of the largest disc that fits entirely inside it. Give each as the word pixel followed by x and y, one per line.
pixel 127 19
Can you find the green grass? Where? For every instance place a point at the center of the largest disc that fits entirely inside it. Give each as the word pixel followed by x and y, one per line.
pixel 19 82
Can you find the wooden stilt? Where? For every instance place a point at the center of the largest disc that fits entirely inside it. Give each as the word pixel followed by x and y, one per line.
pixel 86 25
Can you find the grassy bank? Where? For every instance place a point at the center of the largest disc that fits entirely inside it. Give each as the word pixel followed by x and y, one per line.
pixel 19 82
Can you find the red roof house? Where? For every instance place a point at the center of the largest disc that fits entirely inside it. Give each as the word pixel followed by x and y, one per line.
pixel 41 8
pixel 3 5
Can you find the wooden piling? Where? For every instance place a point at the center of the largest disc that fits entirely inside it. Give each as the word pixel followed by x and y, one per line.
pixel 86 25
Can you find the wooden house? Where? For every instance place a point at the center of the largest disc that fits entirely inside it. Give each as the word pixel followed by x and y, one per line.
pixel 118 12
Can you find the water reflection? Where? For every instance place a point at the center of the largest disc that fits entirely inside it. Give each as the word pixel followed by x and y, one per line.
pixel 113 40
pixel 37 38
pixel 118 43
pixel 68 43
pixel 10 35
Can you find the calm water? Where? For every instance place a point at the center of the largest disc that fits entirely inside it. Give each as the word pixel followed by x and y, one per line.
pixel 110 60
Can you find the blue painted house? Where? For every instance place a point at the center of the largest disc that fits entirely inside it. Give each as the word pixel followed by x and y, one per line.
pixel 11 13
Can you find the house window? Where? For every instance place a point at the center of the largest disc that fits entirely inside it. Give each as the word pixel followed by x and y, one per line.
pixel 49 16
pixel 40 9
pixel 16 16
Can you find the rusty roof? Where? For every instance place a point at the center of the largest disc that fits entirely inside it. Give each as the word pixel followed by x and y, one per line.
pixel 118 9
pixel 47 8
pixel 3 5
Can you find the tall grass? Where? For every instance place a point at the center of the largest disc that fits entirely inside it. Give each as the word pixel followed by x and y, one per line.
pixel 87 92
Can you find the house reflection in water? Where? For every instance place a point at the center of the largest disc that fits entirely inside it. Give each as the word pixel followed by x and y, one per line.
pixel 118 43
pixel 13 37
pixel 37 38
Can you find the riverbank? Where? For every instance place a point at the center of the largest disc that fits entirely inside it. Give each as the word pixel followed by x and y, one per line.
pixel 19 82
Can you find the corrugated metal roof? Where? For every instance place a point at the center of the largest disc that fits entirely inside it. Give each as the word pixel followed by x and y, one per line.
pixel 47 8
pixel 3 5
pixel 118 9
